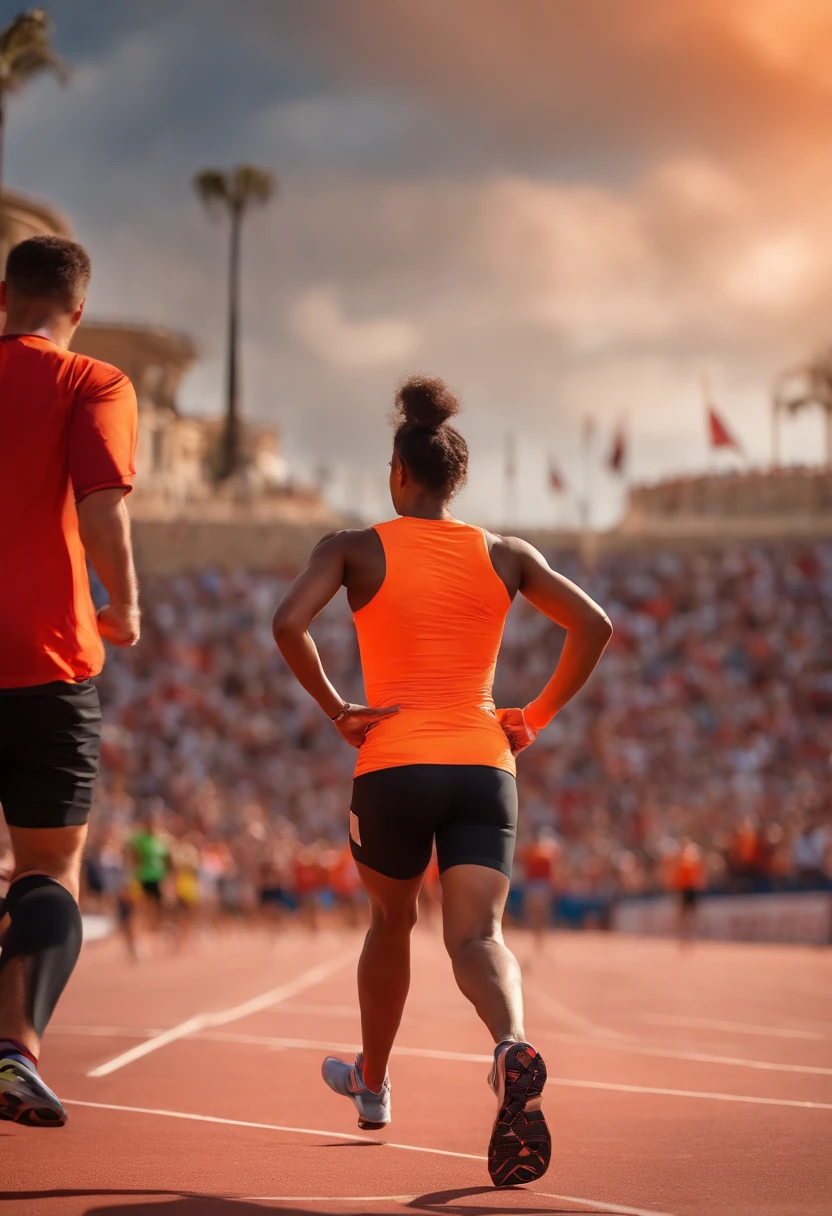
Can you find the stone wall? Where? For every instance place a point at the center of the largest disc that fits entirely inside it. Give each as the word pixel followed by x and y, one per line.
pixel 755 494
pixel 179 545
pixel 24 217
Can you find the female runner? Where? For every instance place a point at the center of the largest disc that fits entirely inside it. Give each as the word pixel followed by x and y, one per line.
pixel 430 596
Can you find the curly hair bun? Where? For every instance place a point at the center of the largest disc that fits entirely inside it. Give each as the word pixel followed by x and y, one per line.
pixel 425 401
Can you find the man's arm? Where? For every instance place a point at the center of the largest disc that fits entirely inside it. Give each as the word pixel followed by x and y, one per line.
pixel 588 630
pixel 105 534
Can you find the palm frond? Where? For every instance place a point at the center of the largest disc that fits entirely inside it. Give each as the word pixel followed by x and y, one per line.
pixel 806 384
pixel 25 51
pixel 251 186
pixel 212 188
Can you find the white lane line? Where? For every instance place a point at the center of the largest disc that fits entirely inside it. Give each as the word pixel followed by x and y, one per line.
pixel 178 1114
pixel 688 1093
pixel 473 1058
pixel 429 1053
pixel 197 1028
pixel 774 1032
pixel 332 1011
pixel 617 1208
pixel 325 1198
pixel 419 1053
pixel 106 1032
pixel 601 1205
pixel 202 1020
pixel 568 1016
pixel 696 1057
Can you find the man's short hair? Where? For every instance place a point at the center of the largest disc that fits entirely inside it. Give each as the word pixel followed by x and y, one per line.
pixel 49 268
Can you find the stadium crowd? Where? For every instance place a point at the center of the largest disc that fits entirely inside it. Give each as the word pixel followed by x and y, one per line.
pixel 708 720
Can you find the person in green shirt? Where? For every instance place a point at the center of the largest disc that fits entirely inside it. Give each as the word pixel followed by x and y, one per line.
pixel 151 857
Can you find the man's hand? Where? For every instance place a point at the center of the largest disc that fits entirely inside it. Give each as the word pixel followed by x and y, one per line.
pixel 517 730
pixel 358 720
pixel 120 626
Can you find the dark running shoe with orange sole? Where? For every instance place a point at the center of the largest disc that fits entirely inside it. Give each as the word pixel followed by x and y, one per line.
pixel 521 1146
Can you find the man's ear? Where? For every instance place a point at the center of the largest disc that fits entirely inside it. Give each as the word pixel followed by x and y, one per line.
pixel 79 312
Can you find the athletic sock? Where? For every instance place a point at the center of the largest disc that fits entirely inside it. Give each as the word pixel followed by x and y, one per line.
pixel 45 928
pixel 10 1049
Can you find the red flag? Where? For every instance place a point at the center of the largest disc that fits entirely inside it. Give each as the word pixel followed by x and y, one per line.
pixel 510 466
pixel 720 436
pixel 619 451
pixel 556 483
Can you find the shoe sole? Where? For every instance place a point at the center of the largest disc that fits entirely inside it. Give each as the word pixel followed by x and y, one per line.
pixel 30 1114
pixel 364 1124
pixel 371 1127
pixel 520 1148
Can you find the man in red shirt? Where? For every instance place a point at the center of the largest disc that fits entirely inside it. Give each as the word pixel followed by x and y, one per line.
pixel 67 439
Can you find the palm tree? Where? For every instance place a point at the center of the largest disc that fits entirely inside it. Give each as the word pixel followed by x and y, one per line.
pixel 807 384
pixel 25 51
pixel 234 193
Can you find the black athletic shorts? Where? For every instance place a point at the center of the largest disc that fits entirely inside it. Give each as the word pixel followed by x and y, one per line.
pixel 471 810
pixel 50 738
pixel 689 897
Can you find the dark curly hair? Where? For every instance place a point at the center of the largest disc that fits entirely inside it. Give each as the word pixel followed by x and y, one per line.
pixel 49 268
pixel 434 452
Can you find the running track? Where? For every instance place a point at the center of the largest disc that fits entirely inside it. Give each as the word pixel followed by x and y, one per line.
pixel 685 1082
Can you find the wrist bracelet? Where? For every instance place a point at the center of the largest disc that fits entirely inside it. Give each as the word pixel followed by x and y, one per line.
pixel 342 713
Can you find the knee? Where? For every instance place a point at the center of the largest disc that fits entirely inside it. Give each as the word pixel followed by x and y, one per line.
pixel 65 870
pixel 394 920
pixel 458 944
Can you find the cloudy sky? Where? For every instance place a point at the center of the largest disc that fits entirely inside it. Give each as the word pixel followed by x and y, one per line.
pixel 564 207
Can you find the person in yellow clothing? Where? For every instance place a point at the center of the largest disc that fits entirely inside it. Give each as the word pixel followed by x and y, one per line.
pixel 436 758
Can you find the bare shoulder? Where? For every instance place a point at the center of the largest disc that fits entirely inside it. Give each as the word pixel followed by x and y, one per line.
pixel 512 544
pixel 508 554
pixel 347 541
pixel 514 550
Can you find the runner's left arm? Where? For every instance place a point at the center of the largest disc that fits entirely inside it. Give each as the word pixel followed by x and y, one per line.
pixel 588 630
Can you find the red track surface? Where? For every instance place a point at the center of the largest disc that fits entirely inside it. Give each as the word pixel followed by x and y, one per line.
pixel 619 1021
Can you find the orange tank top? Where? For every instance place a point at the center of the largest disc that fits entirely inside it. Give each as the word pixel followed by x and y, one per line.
pixel 429 641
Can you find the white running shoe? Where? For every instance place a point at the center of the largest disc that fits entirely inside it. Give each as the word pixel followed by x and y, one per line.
pixel 347 1080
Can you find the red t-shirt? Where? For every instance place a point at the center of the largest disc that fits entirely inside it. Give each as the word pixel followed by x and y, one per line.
pixel 538 863
pixel 67 427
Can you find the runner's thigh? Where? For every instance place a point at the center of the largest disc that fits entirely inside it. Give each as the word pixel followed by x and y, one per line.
pixel 394 815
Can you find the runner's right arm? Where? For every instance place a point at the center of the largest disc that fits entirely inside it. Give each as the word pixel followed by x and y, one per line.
pixel 308 595
pixel 105 534
pixel 588 630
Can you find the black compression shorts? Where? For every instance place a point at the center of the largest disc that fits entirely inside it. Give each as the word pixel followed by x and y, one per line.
pixel 471 809
pixel 50 738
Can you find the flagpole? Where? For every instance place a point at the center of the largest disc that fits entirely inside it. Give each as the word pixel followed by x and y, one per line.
pixel 705 383
pixel 509 482
pixel 775 431
pixel 585 504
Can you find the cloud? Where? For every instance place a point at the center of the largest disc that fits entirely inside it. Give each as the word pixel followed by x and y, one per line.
pixel 317 318
pixel 558 208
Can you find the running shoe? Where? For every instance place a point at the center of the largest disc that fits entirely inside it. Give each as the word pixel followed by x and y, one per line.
pixel 521 1146
pixel 24 1098
pixel 347 1080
